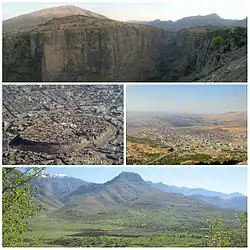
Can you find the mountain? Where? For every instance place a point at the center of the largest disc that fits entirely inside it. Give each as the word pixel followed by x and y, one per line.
pixel 236 201
pixel 127 190
pixel 126 211
pixel 50 202
pixel 33 19
pixel 195 21
pixel 192 191
pixel 238 116
pixel 53 185
pixel 83 47
pixel 125 207
pixel 121 190
pixel 241 23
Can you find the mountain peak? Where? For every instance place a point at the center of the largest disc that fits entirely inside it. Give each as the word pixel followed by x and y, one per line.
pixel 214 15
pixel 28 20
pixel 129 176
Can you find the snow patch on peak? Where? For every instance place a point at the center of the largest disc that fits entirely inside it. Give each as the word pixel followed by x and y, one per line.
pixel 50 175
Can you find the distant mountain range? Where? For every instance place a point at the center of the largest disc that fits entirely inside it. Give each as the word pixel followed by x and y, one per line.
pixel 235 200
pixel 128 189
pixel 239 116
pixel 195 21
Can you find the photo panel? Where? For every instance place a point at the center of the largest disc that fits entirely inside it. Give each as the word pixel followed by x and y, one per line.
pixel 125 42
pixel 124 207
pixel 108 108
pixel 63 124
pixel 186 125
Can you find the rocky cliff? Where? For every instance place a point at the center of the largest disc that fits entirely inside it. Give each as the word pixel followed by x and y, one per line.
pixel 77 48
pixel 83 48
pixel 207 54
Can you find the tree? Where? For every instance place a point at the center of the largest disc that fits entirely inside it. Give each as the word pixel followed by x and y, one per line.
pixel 220 236
pixel 217 234
pixel 18 205
pixel 239 237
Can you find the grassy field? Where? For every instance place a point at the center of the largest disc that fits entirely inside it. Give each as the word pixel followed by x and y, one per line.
pixel 63 233
pixel 121 228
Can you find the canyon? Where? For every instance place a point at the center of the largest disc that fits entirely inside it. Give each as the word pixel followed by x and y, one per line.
pixel 81 47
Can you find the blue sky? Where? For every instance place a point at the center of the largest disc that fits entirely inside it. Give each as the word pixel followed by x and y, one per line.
pixel 187 98
pixel 121 10
pixel 227 180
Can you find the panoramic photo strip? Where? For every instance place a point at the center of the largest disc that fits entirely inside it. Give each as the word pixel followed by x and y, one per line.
pixel 186 125
pixel 63 124
pixel 124 124
pixel 125 42
pixel 121 207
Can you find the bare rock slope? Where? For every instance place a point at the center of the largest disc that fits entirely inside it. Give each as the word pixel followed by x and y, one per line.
pixel 33 19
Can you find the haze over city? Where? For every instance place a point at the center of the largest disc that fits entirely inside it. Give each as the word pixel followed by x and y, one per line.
pixel 187 99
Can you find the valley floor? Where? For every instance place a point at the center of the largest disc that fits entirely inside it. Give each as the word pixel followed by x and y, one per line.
pixel 63 234
pixel 139 229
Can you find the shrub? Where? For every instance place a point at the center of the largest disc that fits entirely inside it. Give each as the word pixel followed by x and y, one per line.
pixel 217 41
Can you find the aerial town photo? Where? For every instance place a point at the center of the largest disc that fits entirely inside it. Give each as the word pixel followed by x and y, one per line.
pixel 186 125
pixel 63 124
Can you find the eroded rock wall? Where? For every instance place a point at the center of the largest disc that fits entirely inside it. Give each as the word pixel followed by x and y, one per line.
pixel 84 50
pixel 120 53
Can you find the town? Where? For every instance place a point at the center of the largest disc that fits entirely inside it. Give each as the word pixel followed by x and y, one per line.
pixel 188 138
pixel 63 124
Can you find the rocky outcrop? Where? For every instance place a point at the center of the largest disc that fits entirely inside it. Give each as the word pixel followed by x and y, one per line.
pixel 80 48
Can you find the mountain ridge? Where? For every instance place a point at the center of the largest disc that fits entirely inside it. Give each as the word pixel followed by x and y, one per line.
pixel 194 21
pixel 127 188
pixel 235 200
pixel 203 191
pixel 135 176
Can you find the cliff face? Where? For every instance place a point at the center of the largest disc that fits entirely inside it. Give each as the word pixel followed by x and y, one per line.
pixel 79 48
pixel 207 54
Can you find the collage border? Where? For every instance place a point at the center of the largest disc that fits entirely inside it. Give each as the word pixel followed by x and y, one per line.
pixel 125 85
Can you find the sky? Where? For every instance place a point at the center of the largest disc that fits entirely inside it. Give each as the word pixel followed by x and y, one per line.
pixel 221 179
pixel 187 98
pixel 141 11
